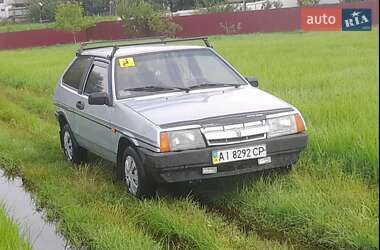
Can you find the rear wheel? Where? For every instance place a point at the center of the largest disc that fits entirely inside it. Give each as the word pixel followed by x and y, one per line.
pixel 133 174
pixel 73 152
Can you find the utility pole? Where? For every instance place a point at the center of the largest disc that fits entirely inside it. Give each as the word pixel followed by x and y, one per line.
pixel 41 4
pixel 111 5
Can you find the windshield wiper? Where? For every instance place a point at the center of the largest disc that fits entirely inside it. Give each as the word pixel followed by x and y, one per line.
pixel 213 85
pixel 152 88
pixel 155 88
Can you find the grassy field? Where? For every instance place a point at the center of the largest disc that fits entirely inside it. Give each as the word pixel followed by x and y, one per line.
pixel 14 27
pixel 9 235
pixel 329 200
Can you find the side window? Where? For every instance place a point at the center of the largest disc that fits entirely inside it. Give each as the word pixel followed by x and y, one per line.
pixel 97 80
pixel 74 74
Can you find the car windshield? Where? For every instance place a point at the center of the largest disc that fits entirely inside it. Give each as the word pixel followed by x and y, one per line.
pixel 181 70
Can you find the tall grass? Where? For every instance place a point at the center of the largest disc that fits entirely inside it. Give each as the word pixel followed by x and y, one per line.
pixel 332 78
pixel 329 200
pixel 324 209
pixel 9 236
pixel 15 27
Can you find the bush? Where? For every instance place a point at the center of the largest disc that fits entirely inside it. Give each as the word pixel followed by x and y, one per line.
pixel 141 19
pixel 271 5
pixel 69 17
pixel 303 3
pixel 266 5
pixel 277 4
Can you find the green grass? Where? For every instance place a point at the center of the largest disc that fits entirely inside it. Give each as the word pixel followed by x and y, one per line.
pixel 332 78
pixel 14 27
pixel 9 235
pixel 329 200
pixel 327 209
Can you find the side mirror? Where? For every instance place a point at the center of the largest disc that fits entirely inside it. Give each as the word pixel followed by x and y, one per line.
pixel 253 81
pixel 100 98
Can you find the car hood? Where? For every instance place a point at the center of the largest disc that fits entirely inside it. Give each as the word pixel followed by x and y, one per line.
pixel 202 104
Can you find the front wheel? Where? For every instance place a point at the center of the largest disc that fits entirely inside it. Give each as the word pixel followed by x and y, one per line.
pixel 133 174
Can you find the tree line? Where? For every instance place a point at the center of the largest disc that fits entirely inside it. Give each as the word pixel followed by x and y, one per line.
pixel 45 9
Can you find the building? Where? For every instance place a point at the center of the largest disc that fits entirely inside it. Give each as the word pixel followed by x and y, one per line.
pixel 257 5
pixel 240 5
pixel 13 9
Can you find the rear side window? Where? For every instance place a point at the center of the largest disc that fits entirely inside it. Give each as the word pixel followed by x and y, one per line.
pixel 97 80
pixel 74 74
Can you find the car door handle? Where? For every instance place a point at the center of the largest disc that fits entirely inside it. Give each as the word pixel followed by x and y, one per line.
pixel 80 105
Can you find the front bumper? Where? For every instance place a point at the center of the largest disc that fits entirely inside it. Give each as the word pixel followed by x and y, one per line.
pixel 187 165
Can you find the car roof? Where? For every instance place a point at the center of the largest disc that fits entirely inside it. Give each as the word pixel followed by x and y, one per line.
pixel 137 49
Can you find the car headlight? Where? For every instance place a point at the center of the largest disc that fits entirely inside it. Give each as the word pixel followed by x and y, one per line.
pixel 285 125
pixel 181 140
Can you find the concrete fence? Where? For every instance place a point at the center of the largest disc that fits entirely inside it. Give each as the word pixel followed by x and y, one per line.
pixel 274 20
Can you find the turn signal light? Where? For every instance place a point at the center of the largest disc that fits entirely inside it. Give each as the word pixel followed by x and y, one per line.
pixel 300 124
pixel 164 142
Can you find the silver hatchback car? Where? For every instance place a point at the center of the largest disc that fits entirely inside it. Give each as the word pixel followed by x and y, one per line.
pixel 165 112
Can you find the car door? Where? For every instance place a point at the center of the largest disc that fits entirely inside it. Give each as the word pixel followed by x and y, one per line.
pixel 93 123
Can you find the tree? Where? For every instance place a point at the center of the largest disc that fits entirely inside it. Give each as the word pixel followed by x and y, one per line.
pixel 42 9
pixel 96 7
pixel 142 19
pixel 46 8
pixel 69 17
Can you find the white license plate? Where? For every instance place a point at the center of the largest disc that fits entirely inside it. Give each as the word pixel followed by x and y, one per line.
pixel 238 154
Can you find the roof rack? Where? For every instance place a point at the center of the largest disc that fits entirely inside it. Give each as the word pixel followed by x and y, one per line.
pixel 160 40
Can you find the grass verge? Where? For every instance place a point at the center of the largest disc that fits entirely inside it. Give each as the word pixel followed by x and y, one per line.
pixel 15 27
pixel 9 236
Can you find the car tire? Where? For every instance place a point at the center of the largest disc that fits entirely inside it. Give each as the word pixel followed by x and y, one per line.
pixel 72 151
pixel 132 173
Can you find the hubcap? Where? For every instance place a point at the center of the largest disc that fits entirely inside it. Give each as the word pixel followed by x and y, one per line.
pixel 131 176
pixel 68 145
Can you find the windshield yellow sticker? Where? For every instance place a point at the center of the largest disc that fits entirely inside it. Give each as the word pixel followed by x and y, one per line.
pixel 127 62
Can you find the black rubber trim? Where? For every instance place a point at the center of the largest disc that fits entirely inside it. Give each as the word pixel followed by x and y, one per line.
pixel 85 75
pixel 110 90
pixel 187 165
pixel 224 170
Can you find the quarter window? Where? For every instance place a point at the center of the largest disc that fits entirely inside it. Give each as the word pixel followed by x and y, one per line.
pixel 74 74
pixel 97 81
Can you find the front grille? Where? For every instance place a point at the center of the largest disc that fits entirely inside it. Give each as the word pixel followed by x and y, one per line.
pixel 235 133
pixel 237 139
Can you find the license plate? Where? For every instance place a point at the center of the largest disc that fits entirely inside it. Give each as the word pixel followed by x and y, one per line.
pixel 238 154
